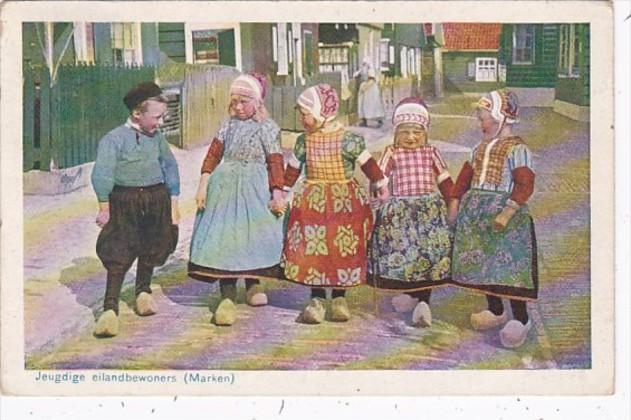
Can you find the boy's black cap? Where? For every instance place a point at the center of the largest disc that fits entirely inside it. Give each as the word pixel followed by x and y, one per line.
pixel 141 92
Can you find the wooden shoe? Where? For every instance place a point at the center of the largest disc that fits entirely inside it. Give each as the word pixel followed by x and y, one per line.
pixel 422 315
pixel 255 296
pixel 339 310
pixel 145 305
pixel 226 313
pixel 486 320
pixel 313 313
pixel 514 333
pixel 107 324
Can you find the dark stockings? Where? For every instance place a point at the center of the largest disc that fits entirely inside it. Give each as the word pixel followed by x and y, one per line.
pixel 518 307
pixel 319 292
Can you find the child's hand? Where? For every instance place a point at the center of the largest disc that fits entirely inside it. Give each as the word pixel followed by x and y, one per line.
pixel 502 219
pixel 175 211
pixel 278 203
pixel 452 212
pixel 200 196
pixel 103 217
pixel 278 207
pixel 383 194
pixel 200 199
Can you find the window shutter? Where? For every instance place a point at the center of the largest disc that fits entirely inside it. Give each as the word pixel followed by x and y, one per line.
pixel 471 70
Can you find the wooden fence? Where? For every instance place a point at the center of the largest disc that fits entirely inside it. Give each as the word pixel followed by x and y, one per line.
pixel 204 102
pixel 63 123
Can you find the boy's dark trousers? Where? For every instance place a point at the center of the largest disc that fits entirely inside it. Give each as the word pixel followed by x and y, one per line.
pixel 140 227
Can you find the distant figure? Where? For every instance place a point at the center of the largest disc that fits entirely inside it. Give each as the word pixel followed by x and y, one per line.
pixel 369 105
pixel 238 230
pixel 137 184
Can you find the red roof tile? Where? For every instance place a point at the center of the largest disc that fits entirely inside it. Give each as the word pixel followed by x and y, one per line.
pixel 472 36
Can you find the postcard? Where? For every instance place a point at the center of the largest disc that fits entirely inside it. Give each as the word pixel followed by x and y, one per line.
pixel 308 199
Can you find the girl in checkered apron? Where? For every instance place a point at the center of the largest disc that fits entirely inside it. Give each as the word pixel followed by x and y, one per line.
pixel 411 243
pixel 495 250
pixel 330 220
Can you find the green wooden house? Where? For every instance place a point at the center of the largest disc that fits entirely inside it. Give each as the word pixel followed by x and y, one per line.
pixel 103 43
pixel 267 48
pixel 401 49
pixel 572 76
pixel 467 57
pixel 529 53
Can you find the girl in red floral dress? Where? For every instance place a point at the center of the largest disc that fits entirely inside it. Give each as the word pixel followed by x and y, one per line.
pixel 330 221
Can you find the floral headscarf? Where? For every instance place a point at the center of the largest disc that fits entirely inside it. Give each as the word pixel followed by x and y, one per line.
pixel 321 101
pixel 502 104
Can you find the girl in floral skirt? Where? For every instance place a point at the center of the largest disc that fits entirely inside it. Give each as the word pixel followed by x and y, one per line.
pixel 330 220
pixel 411 242
pixel 495 250
pixel 236 235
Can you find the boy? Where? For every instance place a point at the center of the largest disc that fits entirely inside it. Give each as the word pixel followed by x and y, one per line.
pixel 137 184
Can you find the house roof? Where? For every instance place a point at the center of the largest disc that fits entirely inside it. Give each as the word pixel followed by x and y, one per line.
pixel 472 36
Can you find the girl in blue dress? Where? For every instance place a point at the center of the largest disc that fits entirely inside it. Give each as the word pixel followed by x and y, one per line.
pixel 236 232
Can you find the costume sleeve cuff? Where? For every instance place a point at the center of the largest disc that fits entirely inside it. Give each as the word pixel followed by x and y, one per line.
pixel 512 204
pixel 445 187
pixel 275 172
pixel 372 171
pixel 463 183
pixel 443 176
pixel 291 176
pixel 213 157
pixel 364 157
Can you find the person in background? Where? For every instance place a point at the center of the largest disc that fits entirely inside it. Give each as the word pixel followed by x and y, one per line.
pixel 369 104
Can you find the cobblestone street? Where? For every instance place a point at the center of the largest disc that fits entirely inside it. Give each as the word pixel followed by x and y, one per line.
pixel 64 284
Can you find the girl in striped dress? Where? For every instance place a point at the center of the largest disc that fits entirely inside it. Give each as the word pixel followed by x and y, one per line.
pixel 411 242
pixel 495 250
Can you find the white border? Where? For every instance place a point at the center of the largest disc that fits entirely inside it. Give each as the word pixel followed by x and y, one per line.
pixel 440 12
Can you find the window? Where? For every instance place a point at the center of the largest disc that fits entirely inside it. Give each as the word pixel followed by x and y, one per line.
pixel 384 54
pixel 84 42
pixel 282 53
pixel 205 47
pixel 334 58
pixel 524 44
pixel 126 43
pixel 569 51
pixel 404 61
pixel 307 52
pixel 486 69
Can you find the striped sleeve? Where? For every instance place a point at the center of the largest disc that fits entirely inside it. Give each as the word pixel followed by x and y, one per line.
pixel 519 157
pixel 299 154
pixel 440 167
pixel 386 162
